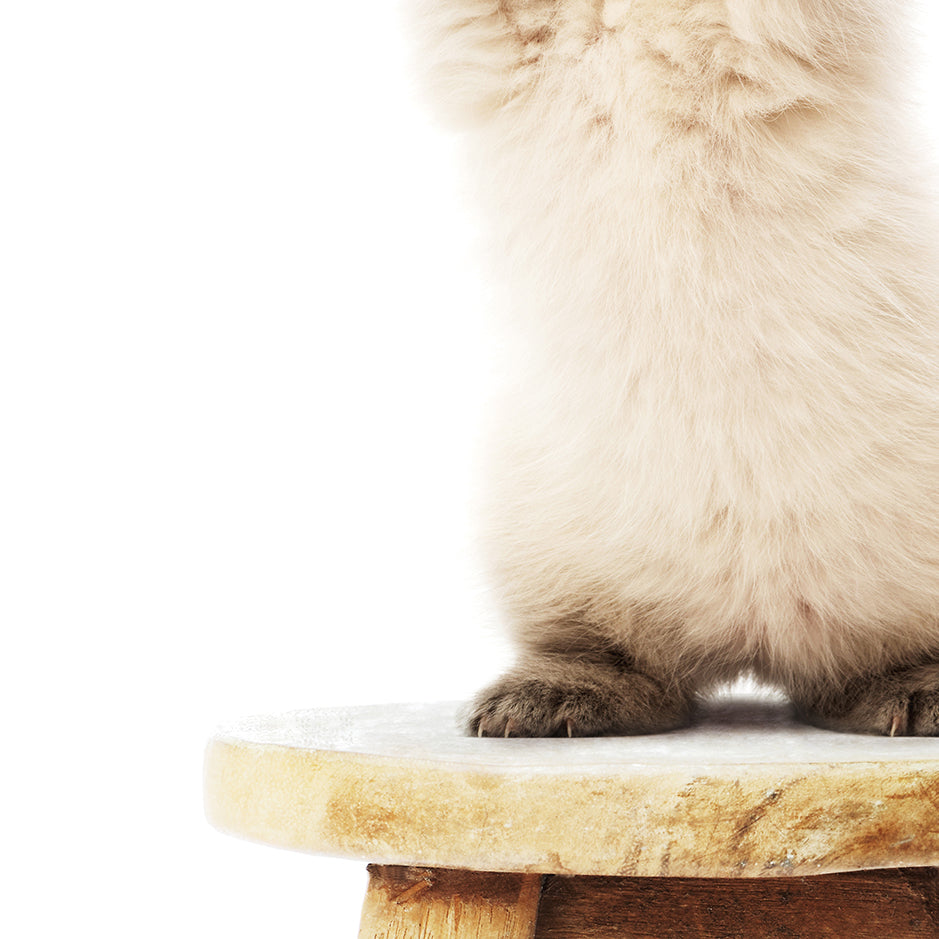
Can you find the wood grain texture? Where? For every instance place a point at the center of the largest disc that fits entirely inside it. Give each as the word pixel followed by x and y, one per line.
pixel 427 903
pixel 882 904
pixel 745 792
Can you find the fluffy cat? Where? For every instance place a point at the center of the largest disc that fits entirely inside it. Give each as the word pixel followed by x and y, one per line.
pixel 720 450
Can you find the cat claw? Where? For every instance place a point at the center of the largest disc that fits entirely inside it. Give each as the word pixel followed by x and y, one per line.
pixel 511 729
pixel 899 723
pixel 484 729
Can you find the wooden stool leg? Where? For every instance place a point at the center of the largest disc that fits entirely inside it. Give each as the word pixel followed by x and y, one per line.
pixel 420 902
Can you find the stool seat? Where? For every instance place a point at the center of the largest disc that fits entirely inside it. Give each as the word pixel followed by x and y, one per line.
pixel 746 792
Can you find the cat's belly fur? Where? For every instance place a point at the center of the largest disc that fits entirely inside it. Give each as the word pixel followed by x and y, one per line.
pixel 764 550
pixel 725 420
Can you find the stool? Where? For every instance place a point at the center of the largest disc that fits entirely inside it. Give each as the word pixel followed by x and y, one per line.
pixel 746 824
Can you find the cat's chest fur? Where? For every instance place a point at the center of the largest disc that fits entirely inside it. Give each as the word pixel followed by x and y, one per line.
pixel 730 346
pixel 718 449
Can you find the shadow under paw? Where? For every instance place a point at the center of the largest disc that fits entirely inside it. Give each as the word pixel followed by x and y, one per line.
pixel 575 701
pixel 900 703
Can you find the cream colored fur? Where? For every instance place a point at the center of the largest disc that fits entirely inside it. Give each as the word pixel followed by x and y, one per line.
pixel 720 446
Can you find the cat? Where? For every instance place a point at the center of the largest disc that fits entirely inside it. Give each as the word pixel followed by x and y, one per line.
pixel 719 450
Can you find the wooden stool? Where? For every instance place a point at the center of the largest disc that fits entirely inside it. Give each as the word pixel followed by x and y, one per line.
pixel 744 825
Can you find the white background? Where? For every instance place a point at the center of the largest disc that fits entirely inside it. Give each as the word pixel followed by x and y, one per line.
pixel 241 368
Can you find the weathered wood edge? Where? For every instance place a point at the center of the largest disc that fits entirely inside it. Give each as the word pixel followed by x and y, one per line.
pixel 685 822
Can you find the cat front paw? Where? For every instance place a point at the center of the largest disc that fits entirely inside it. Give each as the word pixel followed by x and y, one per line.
pixel 901 703
pixel 574 699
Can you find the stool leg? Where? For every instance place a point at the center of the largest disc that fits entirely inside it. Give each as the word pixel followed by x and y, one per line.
pixel 418 902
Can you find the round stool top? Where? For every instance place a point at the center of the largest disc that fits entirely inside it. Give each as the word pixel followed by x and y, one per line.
pixel 745 792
